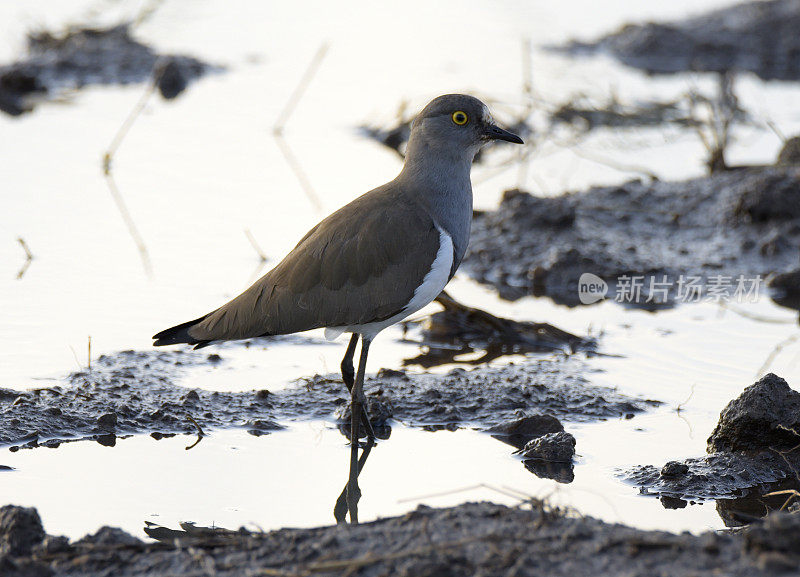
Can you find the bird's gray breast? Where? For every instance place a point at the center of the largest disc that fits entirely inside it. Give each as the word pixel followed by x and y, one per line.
pixel 453 214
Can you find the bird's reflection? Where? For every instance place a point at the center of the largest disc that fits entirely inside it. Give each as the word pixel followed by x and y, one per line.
pixel 340 509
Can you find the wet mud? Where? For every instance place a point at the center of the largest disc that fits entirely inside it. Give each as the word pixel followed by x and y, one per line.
pixel 753 451
pixel 741 222
pixel 135 392
pixel 459 329
pixel 471 539
pixel 80 57
pixel 757 37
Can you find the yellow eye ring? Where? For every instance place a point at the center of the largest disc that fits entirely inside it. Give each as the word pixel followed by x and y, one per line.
pixel 460 117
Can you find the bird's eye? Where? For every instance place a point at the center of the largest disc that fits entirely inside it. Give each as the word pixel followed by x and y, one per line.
pixel 460 117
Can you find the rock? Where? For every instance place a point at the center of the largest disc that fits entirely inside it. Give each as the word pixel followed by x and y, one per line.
pixel 107 422
pixel 674 469
pixel 260 427
pixel 520 431
pixel 555 447
pixel 20 530
pixel 790 152
pixel 765 416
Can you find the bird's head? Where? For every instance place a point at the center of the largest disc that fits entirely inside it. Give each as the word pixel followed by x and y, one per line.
pixel 457 124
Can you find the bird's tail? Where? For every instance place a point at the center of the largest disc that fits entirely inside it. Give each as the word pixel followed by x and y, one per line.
pixel 179 334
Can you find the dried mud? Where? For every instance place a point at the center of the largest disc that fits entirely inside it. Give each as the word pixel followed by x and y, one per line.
pixel 135 392
pixel 471 539
pixel 742 222
pixel 757 37
pixel 82 57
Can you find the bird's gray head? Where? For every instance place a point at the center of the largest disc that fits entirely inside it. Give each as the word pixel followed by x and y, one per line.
pixel 455 125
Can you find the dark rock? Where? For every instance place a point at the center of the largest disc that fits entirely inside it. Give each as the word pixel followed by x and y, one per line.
pixel 765 416
pixel 786 287
pixel 554 447
pixel 260 427
pixel 107 422
pixel 20 530
pixel 520 431
pixel 674 469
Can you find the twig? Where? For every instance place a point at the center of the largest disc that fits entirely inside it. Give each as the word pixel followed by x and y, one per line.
pixel 89 353
pixel 254 244
pixel 755 317
pixel 108 158
pixel 28 258
pixel 776 350
pixel 283 118
pixel 615 165
pixel 680 406
pixel 200 432
pixel 126 216
pixel 300 89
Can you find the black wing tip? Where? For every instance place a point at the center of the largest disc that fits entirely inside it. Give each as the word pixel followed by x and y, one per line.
pixel 178 335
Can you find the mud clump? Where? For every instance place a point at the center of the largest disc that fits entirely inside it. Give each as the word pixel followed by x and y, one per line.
pixel 742 223
pixel 20 530
pixel 81 57
pixel 135 392
pixel 471 539
pixel 519 432
pixel 757 37
pixel 765 416
pixel 751 452
pixel 553 447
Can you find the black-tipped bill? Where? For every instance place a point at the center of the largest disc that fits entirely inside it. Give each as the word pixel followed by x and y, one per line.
pixel 494 132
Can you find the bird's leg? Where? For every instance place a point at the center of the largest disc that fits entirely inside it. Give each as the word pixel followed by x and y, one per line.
pixel 353 492
pixel 347 376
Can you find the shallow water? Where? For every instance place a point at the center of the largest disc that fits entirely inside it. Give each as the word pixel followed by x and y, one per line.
pixel 196 173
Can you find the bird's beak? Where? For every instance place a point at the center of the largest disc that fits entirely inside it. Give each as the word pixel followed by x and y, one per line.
pixel 494 132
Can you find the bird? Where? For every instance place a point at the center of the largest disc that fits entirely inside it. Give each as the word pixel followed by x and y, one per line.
pixel 375 261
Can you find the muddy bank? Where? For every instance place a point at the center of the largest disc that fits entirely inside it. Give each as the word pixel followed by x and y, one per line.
pixel 79 57
pixel 754 450
pixel 471 539
pixel 742 222
pixel 135 392
pixel 757 37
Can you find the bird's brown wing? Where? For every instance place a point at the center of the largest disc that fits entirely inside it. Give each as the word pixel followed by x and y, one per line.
pixel 361 264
